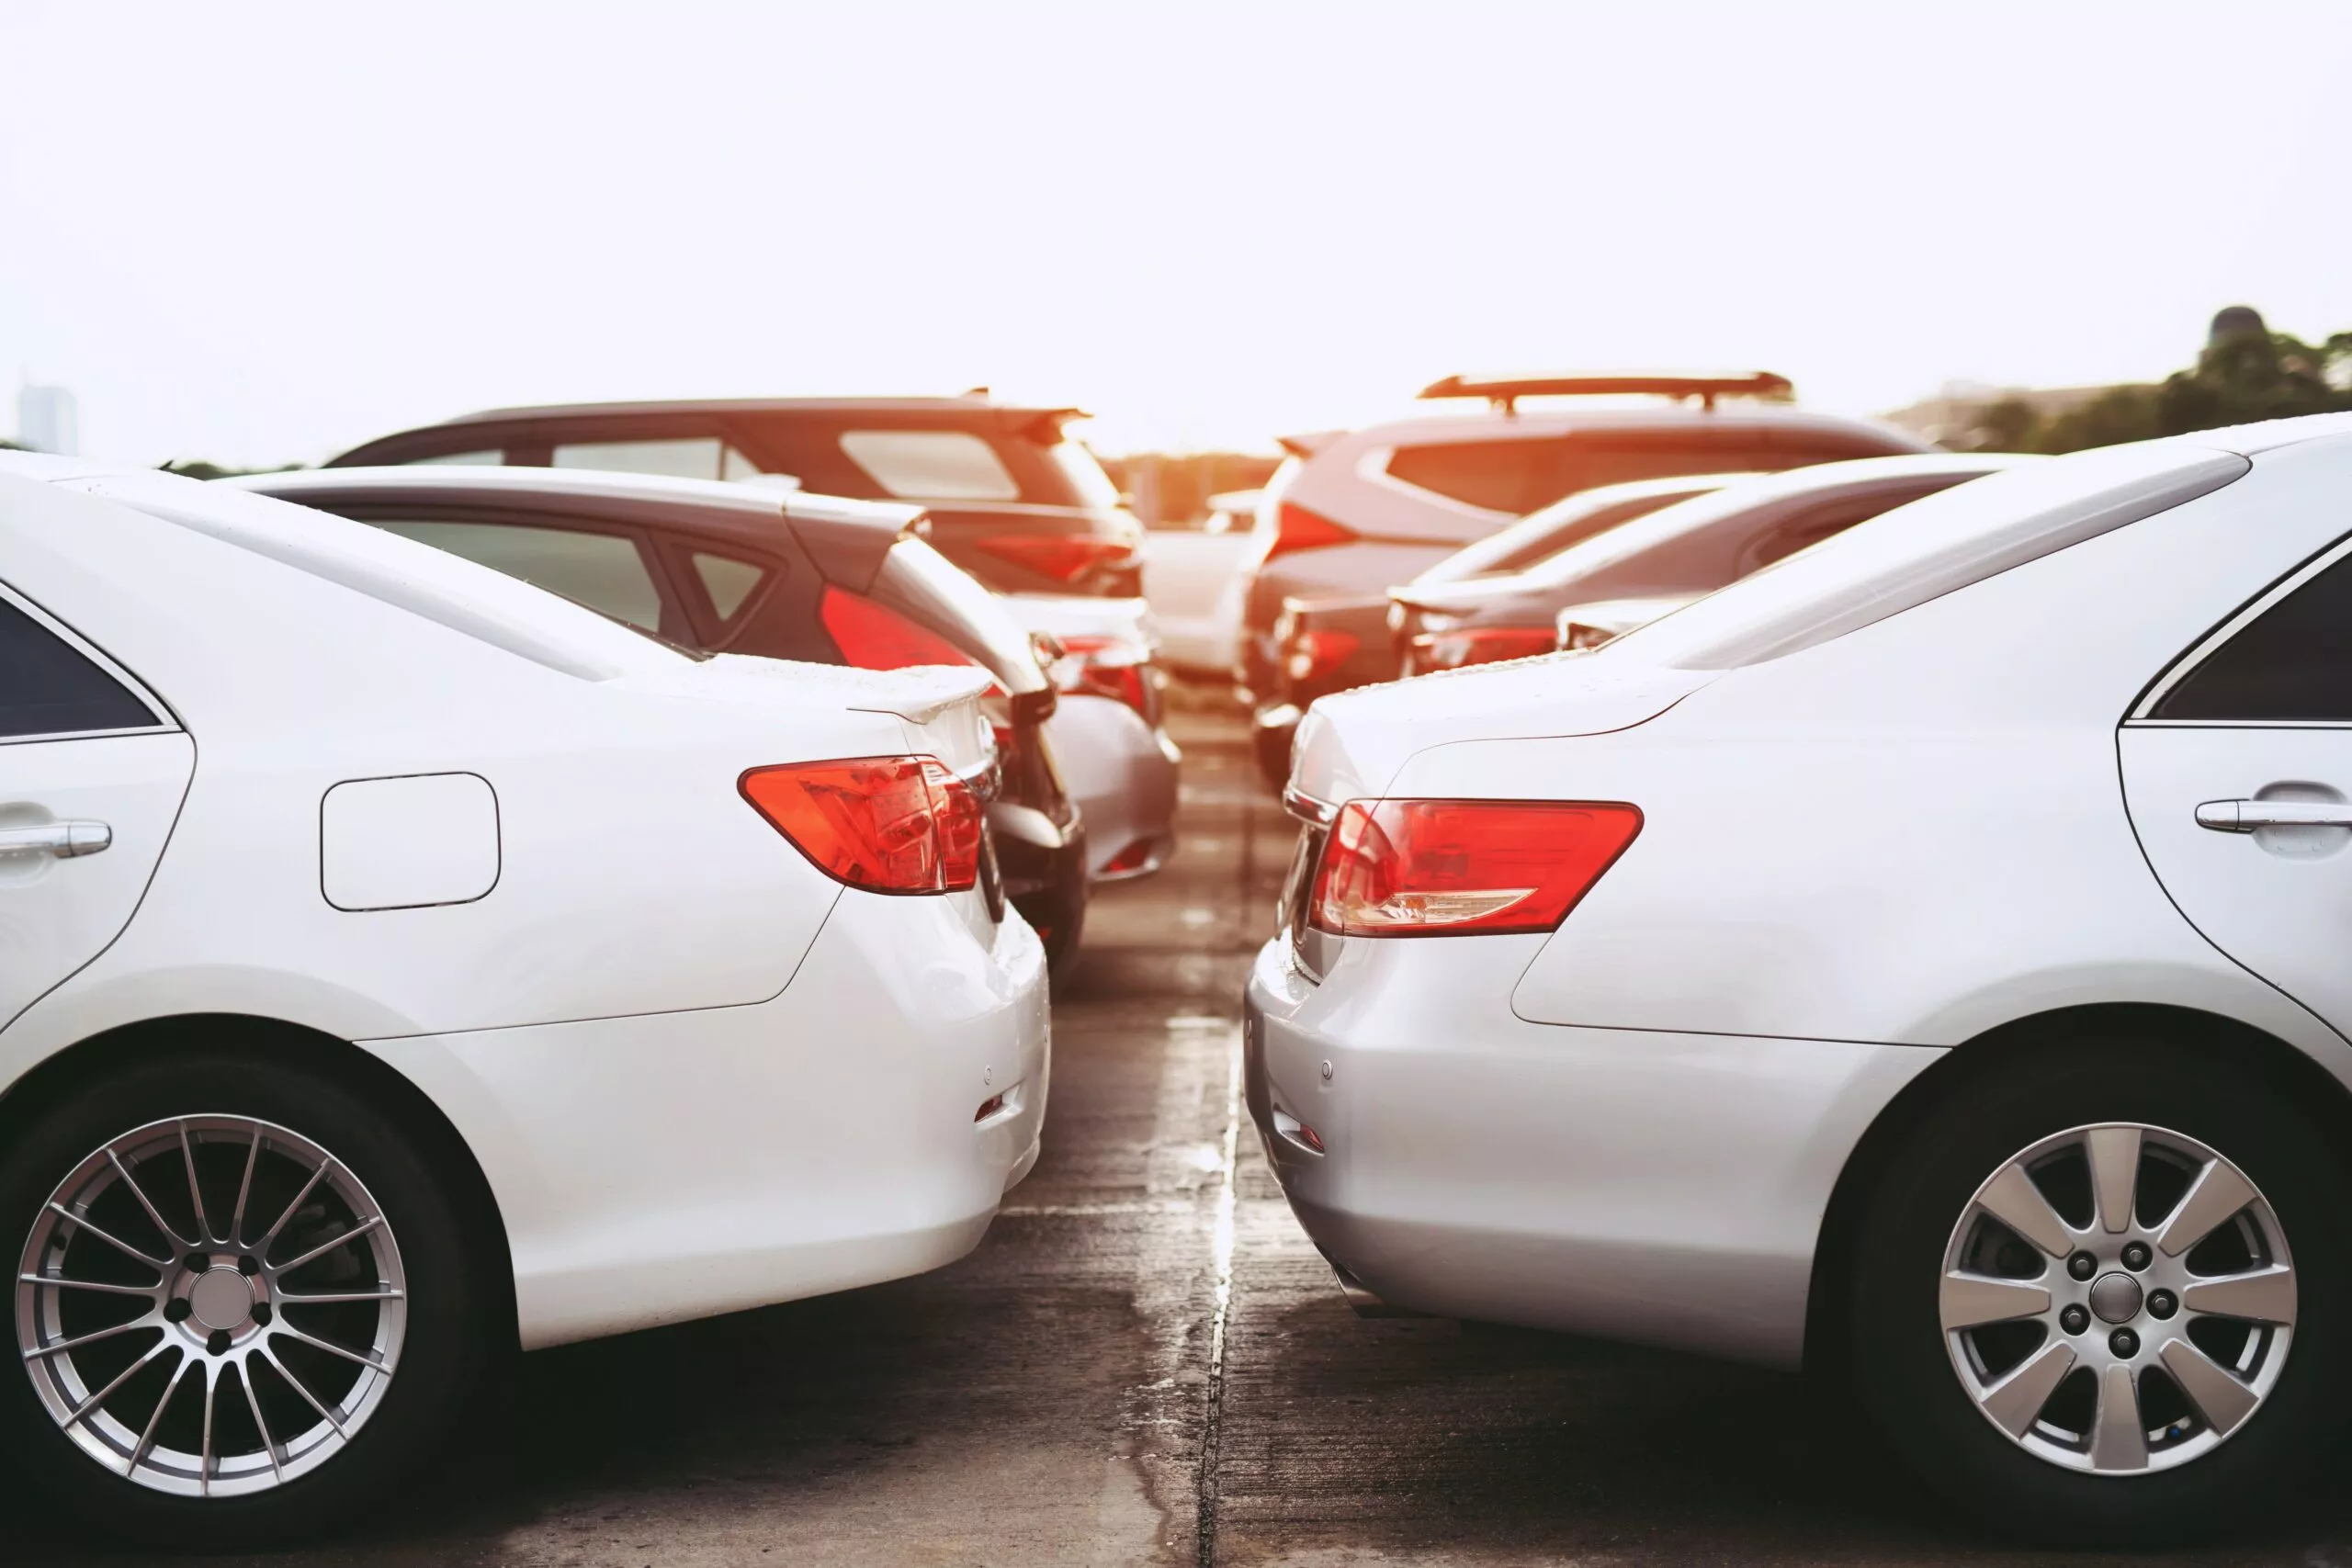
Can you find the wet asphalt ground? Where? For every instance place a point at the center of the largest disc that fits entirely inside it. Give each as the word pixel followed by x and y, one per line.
pixel 1146 1363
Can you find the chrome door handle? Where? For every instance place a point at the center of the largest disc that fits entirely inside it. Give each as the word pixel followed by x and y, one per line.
pixel 2245 816
pixel 63 840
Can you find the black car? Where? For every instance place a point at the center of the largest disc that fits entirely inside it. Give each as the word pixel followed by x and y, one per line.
pixel 1013 500
pixel 1645 567
pixel 728 569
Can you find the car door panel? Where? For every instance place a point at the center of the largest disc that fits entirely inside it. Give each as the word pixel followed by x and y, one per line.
pixel 58 912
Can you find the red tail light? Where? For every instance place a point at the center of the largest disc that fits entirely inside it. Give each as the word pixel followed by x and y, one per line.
pixel 885 824
pixel 1314 653
pixel 874 637
pixel 1065 557
pixel 1479 645
pixel 1296 528
pixel 1464 867
pixel 1106 667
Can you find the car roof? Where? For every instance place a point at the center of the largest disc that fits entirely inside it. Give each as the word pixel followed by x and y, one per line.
pixel 749 511
pixel 966 404
pixel 1579 414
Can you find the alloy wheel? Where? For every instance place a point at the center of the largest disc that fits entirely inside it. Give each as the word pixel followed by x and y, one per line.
pixel 2118 1299
pixel 210 1306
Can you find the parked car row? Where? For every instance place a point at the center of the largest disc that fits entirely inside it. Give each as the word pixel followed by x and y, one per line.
pixel 1918 958
pixel 440 886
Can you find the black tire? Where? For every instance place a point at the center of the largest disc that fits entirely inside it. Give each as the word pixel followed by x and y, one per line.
pixel 1900 1369
pixel 449 1350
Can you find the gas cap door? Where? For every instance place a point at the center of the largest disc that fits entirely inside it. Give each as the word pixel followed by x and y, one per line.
pixel 408 842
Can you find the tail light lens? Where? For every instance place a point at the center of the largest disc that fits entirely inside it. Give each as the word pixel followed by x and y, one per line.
pixel 1479 645
pixel 1464 867
pixel 1107 667
pixel 1296 528
pixel 1065 557
pixel 875 636
pixel 885 824
pixel 1314 653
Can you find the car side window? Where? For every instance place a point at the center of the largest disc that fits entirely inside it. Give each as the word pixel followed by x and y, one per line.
pixel 48 687
pixel 728 583
pixel 2292 662
pixel 607 573
pixel 932 465
pixel 686 457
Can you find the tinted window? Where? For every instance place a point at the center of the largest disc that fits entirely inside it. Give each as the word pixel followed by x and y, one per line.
pixel 1815 524
pixel 490 459
pixel 47 688
pixel 605 571
pixel 1497 475
pixel 686 457
pixel 2294 661
pixel 931 465
pixel 729 582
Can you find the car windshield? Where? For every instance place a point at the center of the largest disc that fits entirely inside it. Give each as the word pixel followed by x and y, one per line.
pixel 1950 540
pixel 1084 472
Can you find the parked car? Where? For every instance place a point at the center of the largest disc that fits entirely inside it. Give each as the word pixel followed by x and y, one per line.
pixel 1666 559
pixel 1192 579
pixel 725 569
pixel 399 964
pixel 1922 960
pixel 1358 513
pixel 1012 500
pixel 1337 643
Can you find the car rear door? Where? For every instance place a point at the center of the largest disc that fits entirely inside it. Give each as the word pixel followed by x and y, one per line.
pixel 92 774
pixel 2237 770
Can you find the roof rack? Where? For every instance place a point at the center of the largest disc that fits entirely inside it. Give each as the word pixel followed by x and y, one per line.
pixel 1504 391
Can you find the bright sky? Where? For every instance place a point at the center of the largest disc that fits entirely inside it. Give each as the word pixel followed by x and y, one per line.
pixel 261 233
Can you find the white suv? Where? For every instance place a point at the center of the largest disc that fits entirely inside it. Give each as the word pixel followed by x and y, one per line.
pixel 1360 512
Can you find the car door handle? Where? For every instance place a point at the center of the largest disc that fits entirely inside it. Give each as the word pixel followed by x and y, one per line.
pixel 63 840
pixel 2245 816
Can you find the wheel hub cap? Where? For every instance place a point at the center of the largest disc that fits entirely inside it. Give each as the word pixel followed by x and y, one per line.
pixel 2115 1298
pixel 210 1306
pixel 2118 1299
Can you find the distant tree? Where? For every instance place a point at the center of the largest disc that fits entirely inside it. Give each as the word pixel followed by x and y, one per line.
pixel 2245 373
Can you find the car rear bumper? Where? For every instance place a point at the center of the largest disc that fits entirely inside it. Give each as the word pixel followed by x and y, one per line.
pixel 1123 773
pixel 1662 1188
pixel 674 1165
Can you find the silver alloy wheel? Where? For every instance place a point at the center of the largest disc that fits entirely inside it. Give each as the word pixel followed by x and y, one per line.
pixel 210 1306
pixel 2118 1299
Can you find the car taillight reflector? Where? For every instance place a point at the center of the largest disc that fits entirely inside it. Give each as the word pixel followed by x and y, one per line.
pixel 1479 645
pixel 885 824
pixel 1296 528
pixel 1464 867
pixel 1317 652
pixel 1105 667
pixel 1065 557
pixel 875 636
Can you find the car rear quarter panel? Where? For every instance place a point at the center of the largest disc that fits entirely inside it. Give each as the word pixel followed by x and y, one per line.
pixel 1914 833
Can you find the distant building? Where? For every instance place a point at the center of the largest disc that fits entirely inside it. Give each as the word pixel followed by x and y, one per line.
pixel 46 420
pixel 1955 411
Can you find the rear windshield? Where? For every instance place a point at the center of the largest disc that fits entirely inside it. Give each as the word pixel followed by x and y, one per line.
pixel 1521 475
pixel 1963 535
pixel 1544 533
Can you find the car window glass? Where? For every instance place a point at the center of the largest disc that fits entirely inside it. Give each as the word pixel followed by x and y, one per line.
pixel 605 571
pixel 1813 524
pixel 931 465
pixel 1084 472
pixel 729 582
pixel 489 459
pixel 687 458
pixel 733 466
pixel 48 688
pixel 1496 475
pixel 2292 662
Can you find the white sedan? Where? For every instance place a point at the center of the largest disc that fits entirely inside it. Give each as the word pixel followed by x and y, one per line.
pixel 1927 958
pixel 398 965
